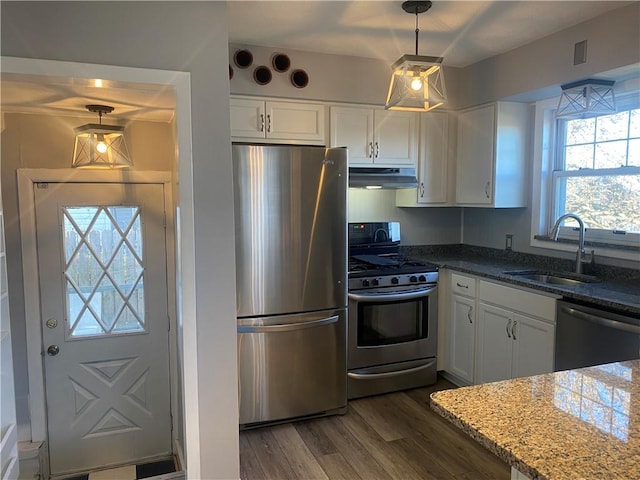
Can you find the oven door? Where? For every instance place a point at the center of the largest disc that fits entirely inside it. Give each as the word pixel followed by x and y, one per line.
pixel 390 325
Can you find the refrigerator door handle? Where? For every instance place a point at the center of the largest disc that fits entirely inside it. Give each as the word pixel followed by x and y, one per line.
pixel 286 327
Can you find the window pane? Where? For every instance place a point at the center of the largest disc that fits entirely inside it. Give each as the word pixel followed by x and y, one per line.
pixel 611 154
pixel 634 153
pixel 634 127
pixel 580 131
pixel 580 156
pixel 103 248
pixel 607 202
pixel 612 127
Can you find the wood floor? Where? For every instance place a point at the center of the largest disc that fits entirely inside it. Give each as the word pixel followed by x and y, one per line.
pixel 392 436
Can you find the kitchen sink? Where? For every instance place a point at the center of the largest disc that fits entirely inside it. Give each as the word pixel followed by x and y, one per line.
pixel 553 278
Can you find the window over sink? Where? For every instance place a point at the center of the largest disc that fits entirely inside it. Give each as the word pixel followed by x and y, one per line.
pixel 589 166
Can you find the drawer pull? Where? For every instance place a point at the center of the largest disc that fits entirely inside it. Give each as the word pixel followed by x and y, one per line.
pixel 461 285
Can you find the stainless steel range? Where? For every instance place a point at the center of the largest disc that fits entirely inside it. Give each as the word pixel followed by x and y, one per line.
pixel 393 311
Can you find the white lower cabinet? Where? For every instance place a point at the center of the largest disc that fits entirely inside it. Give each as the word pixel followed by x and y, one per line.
pixel 515 333
pixel 462 337
pixel 494 331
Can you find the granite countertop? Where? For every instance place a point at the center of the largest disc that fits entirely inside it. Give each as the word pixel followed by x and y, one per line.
pixel 575 424
pixel 618 288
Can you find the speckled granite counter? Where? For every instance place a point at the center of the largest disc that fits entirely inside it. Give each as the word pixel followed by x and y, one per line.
pixel 577 424
pixel 618 290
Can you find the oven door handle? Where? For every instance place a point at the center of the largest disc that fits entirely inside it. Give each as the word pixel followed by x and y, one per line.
pixel 378 376
pixel 390 297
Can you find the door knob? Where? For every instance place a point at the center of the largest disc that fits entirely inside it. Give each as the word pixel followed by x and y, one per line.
pixel 53 350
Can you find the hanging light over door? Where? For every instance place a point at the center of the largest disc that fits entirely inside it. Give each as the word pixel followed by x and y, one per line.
pixel 100 146
pixel 417 81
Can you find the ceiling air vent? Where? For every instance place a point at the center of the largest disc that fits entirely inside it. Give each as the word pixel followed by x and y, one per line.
pixel 580 52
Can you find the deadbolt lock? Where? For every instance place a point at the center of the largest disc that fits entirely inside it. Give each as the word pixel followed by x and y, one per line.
pixel 52 323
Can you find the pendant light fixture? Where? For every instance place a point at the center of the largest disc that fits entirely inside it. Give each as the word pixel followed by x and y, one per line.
pixel 586 97
pixel 417 81
pixel 100 146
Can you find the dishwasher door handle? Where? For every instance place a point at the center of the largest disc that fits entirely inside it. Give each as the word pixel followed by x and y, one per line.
pixel 606 322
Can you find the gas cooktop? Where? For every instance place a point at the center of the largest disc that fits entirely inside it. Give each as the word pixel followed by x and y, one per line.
pixel 388 264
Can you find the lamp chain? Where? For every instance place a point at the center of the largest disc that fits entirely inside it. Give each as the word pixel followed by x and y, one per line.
pixel 417 30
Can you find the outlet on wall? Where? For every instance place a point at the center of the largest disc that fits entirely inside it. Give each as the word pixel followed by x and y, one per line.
pixel 508 244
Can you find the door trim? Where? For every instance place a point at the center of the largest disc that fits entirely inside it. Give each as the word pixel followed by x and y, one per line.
pixel 27 177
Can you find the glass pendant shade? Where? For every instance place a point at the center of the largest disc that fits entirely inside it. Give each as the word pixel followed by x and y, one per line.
pixel 100 146
pixel 586 97
pixel 417 84
pixel 417 81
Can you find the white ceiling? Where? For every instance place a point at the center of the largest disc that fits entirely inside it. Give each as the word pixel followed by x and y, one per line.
pixel 463 32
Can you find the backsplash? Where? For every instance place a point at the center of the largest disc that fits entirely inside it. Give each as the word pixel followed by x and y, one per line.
pixel 540 262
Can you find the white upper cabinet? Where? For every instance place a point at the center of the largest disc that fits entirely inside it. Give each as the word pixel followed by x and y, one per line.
pixel 374 136
pixel 433 158
pixel 277 122
pixel 492 155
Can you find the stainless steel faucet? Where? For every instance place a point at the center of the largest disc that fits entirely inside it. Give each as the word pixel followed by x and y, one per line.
pixel 580 254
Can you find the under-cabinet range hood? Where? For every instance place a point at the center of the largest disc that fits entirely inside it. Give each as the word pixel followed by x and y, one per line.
pixel 373 178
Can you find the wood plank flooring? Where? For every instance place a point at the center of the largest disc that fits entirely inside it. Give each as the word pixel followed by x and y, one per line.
pixel 392 436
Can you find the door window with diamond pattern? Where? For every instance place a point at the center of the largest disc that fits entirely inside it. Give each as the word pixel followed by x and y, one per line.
pixel 104 273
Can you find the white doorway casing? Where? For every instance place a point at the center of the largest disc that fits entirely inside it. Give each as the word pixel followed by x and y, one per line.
pixel 185 239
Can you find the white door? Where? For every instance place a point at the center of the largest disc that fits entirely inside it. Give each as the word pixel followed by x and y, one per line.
pixel 295 121
pixel 352 127
pixel 434 156
pixel 462 340
pixel 395 138
pixel 533 349
pixel 495 344
pixel 103 284
pixel 476 138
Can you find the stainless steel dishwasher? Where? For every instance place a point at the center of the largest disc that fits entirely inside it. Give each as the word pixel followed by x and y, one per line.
pixel 587 336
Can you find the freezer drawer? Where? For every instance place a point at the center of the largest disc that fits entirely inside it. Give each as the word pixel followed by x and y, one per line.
pixel 291 366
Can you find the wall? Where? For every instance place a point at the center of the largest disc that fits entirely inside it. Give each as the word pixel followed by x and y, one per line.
pixel 334 78
pixel 38 141
pixel 418 226
pixel 613 41
pixel 186 37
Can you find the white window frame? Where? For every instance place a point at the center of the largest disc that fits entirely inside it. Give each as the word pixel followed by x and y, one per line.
pixel 544 154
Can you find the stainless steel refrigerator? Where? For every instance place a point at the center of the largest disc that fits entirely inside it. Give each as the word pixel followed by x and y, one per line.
pixel 291 276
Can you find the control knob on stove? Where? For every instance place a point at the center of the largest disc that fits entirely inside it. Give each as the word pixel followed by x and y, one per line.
pixel 374 282
pixel 394 280
pixel 413 279
pixel 365 283
pixel 422 278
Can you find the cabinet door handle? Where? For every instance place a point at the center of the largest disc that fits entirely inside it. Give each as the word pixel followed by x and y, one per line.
pixel 508 327
pixel 269 123
pixel 461 285
pixel 513 329
pixel 421 189
pixel 486 189
pixel 377 149
pixel 262 122
pixel 370 149
pixel 469 314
